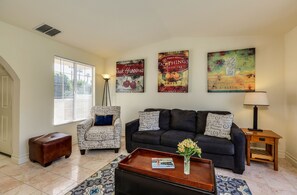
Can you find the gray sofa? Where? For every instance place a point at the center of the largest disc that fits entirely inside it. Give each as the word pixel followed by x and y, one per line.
pixel 177 125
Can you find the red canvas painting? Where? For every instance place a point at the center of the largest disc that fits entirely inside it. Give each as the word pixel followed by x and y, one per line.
pixel 130 76
pixel 173 72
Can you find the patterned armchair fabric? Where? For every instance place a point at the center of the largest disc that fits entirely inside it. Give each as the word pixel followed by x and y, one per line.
pixel 100 137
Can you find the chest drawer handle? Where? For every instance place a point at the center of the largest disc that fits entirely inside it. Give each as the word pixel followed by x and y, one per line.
pixel 262 139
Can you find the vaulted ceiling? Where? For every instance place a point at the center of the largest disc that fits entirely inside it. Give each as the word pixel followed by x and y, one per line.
pixel 109 27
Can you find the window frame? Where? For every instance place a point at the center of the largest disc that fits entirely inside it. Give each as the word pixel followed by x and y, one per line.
pixel 75 64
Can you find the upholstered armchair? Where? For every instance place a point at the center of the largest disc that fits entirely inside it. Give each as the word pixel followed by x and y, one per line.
pixel 100 137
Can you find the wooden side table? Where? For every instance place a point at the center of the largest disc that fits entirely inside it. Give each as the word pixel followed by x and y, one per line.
pixel 269 154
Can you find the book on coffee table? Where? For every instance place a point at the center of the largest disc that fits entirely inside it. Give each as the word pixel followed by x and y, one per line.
pixel 162 163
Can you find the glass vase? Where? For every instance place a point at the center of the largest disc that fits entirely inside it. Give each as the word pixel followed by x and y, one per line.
pixel 187 165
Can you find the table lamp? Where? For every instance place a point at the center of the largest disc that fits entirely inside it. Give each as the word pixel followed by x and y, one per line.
pixel 106 93
pixel 257 98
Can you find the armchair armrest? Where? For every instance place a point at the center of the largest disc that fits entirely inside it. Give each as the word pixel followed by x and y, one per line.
pixel 131 127
pixel 239 141
pixel 118 127
pixel 82 127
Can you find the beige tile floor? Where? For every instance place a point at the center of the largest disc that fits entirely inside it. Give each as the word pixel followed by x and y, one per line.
pixel 64 174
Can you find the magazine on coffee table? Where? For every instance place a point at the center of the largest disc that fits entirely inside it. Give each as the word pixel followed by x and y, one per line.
pixel 162 163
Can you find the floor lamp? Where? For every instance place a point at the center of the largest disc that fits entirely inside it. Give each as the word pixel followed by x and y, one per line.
pixel 106 93
pixel 257 98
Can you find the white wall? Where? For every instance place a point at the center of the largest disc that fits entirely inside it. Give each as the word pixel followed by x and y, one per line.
pixel 31 56
pixel 291 93
pixel 269 77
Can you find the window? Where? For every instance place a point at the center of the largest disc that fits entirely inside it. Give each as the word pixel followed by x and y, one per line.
pixel 74 90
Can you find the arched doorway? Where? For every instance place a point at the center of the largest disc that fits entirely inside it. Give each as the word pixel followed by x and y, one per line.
pixel 10 92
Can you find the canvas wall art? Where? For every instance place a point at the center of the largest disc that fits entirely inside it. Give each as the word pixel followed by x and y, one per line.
pixel 130 76
pixel 173 72
pixel 231 71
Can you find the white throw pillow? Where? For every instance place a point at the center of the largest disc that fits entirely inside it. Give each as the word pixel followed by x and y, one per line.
pixel 149 120
pixel 219 125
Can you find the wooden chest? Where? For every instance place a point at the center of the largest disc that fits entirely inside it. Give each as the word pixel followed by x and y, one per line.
pixel 47 148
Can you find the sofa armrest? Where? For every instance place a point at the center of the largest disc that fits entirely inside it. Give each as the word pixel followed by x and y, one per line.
pixel 239 141
pixel 82 128
pixel 236 132
pixel 131 127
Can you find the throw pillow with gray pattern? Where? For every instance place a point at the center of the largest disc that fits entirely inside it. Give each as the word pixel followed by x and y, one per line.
pixel 149 121
pixel 219 125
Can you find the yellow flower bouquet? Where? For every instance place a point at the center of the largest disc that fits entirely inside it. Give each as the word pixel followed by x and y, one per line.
pixel 188 148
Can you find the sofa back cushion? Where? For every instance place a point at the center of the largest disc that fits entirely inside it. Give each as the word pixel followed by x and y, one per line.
pixel 201 119
pixel 184 120
pixel 164 119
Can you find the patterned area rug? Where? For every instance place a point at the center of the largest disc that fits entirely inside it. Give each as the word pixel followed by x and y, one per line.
pixel 102 183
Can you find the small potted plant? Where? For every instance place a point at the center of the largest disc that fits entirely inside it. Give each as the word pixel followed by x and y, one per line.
pixel 188 148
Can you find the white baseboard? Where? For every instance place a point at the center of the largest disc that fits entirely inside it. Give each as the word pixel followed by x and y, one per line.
pixel 291 158
pixel 20 159
pixel 281 154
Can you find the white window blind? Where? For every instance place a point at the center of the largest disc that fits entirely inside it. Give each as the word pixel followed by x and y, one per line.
pixel 74 90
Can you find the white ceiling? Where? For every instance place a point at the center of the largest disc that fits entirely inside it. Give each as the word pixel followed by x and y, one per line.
pixel 109 27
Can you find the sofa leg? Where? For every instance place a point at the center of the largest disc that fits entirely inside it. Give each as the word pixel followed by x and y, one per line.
pixel 116 150
pixel 238 171
pixel 82 152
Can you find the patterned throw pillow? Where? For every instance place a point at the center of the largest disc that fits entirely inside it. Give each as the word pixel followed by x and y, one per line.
pixel 149 120
pixel 219 125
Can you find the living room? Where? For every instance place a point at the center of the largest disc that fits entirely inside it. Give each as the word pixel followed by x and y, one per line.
pixel 105 32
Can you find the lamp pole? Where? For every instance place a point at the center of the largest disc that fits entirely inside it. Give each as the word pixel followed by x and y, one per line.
pixel 106 93
pixel 255 125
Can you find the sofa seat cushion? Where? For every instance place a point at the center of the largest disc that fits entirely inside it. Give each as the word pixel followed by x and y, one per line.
pixel 148 137
pixel 100 133
pixel 215 145
pixel 172 137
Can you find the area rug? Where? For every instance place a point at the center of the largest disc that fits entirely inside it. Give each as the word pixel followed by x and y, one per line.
pixel 102 183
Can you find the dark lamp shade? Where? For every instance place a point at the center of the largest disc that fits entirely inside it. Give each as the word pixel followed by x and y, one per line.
pixel 258 98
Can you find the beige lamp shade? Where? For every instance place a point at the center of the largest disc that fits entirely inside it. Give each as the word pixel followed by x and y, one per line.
pixel 257 98
pixel 106 76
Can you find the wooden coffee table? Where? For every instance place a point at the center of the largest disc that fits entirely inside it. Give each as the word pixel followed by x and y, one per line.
pixel 135 175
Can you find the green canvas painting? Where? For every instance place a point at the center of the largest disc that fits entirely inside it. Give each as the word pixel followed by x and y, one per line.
pixel 231 71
